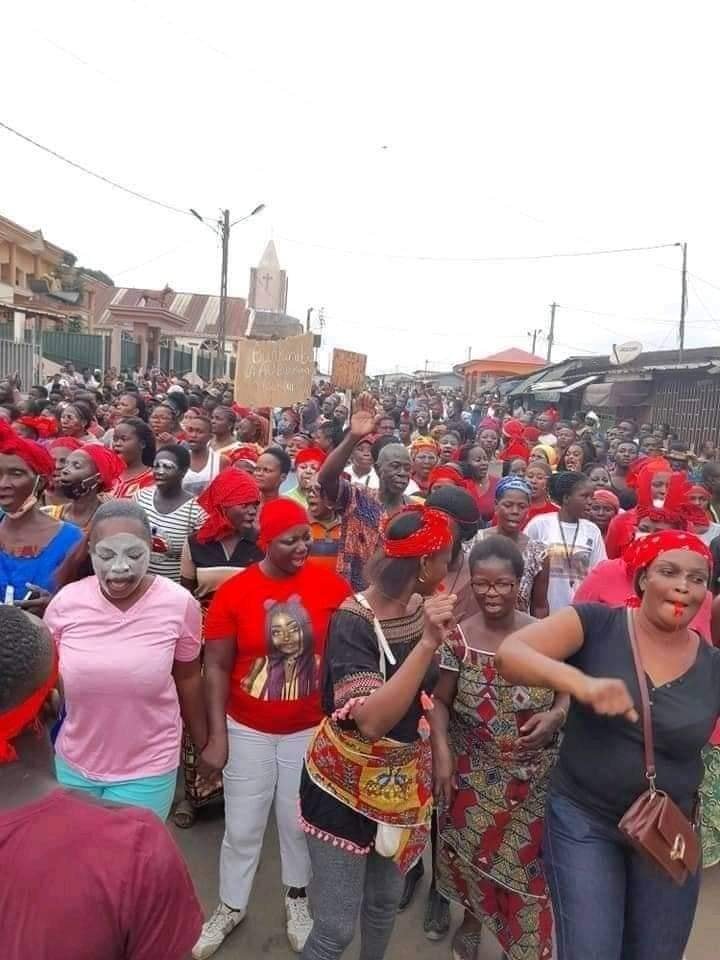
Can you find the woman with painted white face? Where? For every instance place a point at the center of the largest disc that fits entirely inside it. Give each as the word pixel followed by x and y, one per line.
pixel 129 645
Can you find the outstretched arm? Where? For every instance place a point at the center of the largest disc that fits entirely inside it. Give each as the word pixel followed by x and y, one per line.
pixel 362 425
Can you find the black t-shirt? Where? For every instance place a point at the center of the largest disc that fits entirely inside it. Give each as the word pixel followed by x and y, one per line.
pixel 601 765
pixel 627 498
pixel 352 669
pixel 245 553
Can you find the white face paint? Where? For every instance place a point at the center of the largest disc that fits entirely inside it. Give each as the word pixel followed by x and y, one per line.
pixel 120 562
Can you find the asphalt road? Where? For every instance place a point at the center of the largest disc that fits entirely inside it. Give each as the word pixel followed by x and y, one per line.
pixel 262 934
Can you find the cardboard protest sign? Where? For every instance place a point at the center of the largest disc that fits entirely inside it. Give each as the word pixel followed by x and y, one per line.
pixel 348 370
pixel 274 373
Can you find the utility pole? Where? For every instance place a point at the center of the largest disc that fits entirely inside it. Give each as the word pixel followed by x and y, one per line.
pixel 225 238
pixel 534 335
pixel 551 333
pixel 683 303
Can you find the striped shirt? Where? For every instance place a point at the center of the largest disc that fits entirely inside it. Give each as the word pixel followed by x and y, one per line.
pixel 169 530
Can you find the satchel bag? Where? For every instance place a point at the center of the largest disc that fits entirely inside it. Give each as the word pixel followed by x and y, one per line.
pixel 654 824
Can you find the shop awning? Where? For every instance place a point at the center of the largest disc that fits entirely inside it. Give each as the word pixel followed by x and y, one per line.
pixel 579 384
pixel 617 393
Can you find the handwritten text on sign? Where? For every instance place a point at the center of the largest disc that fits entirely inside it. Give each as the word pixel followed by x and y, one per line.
pixel 348 370
pixel 274 373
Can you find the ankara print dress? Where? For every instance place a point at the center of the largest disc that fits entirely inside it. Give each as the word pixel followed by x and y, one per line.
pixel 489 852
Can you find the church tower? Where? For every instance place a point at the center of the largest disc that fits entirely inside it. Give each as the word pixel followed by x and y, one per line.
pixel 268 283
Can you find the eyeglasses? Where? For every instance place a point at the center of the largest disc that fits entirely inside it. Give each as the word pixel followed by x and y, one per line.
pixel 502 587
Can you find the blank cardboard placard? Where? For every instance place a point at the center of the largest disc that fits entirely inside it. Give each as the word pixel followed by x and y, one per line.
pixel 274 373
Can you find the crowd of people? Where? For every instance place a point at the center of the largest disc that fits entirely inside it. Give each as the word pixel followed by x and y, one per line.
pixel 411 623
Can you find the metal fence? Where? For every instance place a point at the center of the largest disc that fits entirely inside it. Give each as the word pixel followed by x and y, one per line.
pixel 17 358
pixel 691 407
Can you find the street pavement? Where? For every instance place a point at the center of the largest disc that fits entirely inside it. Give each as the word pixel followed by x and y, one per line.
pixel 262 934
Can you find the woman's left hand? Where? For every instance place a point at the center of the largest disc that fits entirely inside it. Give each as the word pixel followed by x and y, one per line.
pixel 537 732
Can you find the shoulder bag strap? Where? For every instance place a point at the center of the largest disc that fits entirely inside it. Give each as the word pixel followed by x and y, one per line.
pixel 649 743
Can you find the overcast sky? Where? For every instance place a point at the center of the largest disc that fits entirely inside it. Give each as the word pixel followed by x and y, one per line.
pixel 380 136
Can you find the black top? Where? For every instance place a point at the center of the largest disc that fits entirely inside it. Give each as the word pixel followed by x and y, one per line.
pixel 602 765
pixel 627 498
pixel 352 669
pixel 212 554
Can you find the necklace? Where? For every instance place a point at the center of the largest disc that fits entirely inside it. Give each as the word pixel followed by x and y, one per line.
pixel 569 552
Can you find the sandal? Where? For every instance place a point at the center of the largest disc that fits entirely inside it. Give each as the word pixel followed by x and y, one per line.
pixel 466 943
pixel 184 815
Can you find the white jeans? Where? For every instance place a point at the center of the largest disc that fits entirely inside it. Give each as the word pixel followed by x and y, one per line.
pixel 261 766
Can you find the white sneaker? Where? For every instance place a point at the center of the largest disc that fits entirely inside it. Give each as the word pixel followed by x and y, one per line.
pixel 214 931
pixel 299 922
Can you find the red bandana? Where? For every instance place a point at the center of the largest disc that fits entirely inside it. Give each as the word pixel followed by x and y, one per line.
pixel 36 457
pixel 277 517
pixel 13 722
pixel 230 488
pixel 641 553
pixel 433 535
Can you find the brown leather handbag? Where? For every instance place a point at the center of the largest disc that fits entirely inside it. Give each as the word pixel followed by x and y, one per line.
pixel 654 824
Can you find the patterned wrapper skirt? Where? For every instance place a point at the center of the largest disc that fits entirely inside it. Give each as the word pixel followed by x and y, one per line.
pixel 710 800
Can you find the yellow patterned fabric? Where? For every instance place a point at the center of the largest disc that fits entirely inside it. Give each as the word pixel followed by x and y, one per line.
pixel 386 781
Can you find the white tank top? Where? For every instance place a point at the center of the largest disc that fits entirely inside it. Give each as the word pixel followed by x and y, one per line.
pixel 195 481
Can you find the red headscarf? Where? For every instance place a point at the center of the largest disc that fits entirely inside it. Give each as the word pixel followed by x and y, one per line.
pixel 108 464
pixel 13 722
pixel 608 497
pixel 310 455
pixel 277 517
pixel 248 451
pixel 64 443
pixel 230 488
pixel 44 427
pixel 515 450
pixel 446 473
pixel 36 457
pixel 644 551
pixel 433 535
pixel 647 466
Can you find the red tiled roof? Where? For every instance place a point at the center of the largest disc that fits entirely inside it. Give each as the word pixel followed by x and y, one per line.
pixel 514 355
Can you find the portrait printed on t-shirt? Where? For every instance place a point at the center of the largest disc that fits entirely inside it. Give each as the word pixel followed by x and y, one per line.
pixel 291 670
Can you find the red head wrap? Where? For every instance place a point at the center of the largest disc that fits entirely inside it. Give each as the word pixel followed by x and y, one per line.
pixel 516 450
pixel 310 455
pixel 489 423
pixel 641 553
pixel 647 467
pixel 445 473
pixel 608 497
pixel 44 427
pixel 513 429
pixel 248 451
pixel 108 464
pixel 423 443
pixel 433 535
pixel 230 488
pixel 64 443
pixel 277 517
pixel 697 490
pixel 36 457
pixel 17 719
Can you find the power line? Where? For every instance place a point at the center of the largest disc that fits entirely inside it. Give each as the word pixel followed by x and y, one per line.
pixel 518 259
pixel 91 173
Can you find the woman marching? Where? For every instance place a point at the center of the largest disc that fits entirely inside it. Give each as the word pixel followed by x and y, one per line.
pixel 512 501
pixel 574 544
pixel 600 655
pixel 33 545
pixel 365 795
pixel 264 640
pixel 134 441
pixel 129 644
pixel 502 740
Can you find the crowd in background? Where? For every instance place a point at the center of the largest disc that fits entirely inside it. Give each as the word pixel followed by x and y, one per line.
pixel 400 618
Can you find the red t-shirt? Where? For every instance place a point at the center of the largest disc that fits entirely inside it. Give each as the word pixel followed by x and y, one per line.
pixel 279 627
pixel 82 881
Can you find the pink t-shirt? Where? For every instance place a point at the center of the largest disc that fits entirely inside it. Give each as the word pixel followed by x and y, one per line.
pixel 123 715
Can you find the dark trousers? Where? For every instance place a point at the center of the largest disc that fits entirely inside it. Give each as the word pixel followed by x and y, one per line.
pixel 609 901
